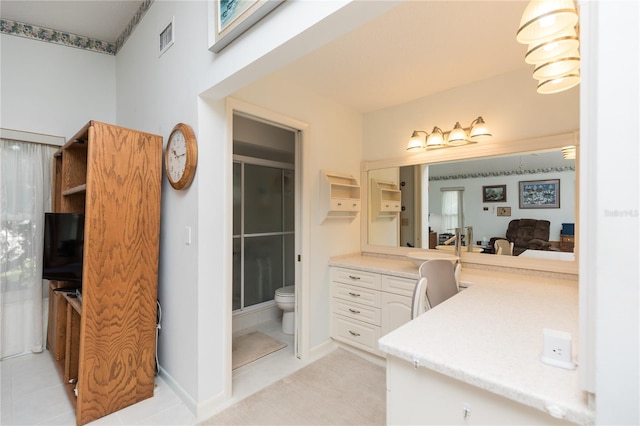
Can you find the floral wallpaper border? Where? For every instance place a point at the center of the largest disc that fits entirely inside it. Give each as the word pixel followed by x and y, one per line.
pixel 506 173
pixel 49 35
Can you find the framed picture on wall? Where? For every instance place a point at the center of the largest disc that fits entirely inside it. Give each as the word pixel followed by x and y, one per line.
pixel 540 194
pixel 504 211
pixel 228 19
pixel 494 194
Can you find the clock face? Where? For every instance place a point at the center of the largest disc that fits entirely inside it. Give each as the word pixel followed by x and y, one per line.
pixel 177 155
pixel 181 156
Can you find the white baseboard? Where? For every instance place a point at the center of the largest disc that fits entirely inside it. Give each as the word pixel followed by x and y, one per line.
pixel 191 403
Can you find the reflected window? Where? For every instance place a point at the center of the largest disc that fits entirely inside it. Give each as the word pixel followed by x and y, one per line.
pixel 452 208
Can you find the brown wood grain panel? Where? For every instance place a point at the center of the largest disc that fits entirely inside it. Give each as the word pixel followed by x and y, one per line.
pixel 56 197
pixel 122 219
pixel 72 345
pixel 57 324
pixel 114 176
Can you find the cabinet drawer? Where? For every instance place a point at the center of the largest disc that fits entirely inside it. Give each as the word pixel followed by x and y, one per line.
pixel 397 285
pixel 357 311
pixel 359 334
pixel 359 278
pixel 345 205
pixel 361 295
pixel 390 206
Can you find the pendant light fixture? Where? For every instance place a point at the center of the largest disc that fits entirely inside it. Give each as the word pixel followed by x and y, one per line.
pixel 458 136
pixel 549 27
pixel 544 19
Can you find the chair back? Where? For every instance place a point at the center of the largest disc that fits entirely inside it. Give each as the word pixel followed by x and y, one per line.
pixel 441 281
pixel 504 247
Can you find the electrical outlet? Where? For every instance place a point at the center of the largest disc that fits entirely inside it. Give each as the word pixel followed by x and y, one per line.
pixel 556 349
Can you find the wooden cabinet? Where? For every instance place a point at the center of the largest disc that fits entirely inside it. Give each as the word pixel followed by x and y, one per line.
pixel 339 195
pixel 104 344
pixel 567 242
pixel 433 240
pixel 365 306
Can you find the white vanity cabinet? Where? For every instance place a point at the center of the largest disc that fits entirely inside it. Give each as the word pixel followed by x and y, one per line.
pixel 366 305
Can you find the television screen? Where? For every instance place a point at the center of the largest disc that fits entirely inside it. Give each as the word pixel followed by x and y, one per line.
pixel 63 245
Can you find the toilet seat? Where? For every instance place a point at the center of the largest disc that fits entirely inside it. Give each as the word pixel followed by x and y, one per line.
pixel 288 291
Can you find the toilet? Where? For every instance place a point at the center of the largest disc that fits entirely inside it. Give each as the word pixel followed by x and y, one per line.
pixel 286 300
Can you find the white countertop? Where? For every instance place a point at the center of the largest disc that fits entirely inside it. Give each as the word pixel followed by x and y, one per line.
pixel 490 335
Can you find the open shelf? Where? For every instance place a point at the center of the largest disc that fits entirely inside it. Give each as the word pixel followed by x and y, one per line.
pixel 339 195
pixel 386 198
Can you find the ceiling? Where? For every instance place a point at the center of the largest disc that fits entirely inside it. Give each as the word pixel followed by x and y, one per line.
pixel 416 49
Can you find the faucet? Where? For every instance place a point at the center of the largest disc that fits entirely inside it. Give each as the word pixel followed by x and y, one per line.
pixel 458 237
pixel 469 238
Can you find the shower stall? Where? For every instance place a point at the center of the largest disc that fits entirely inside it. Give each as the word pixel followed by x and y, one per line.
pixel 263 230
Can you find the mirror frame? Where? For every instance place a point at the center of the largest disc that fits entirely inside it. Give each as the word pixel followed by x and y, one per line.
pixel 467 152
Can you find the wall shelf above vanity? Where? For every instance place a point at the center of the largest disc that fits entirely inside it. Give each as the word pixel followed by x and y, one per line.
pixel 386 198
pixel 339 195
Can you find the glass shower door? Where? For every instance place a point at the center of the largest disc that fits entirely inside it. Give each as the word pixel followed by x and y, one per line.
pixel 263 242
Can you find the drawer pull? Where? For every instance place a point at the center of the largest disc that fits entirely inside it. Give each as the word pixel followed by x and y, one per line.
pixel 353 311
pixel 353 333
pixel 353 277
pixel 354 294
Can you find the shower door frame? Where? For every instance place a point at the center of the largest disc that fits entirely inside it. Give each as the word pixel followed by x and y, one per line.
pixel 242 160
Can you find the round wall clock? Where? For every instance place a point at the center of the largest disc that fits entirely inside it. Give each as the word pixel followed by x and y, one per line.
pixel 181 156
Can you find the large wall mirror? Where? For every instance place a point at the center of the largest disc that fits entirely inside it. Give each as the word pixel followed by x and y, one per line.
pixel 530 180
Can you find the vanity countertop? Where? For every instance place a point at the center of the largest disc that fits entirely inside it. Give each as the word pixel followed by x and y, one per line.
pixel 379 264
pixel 490 335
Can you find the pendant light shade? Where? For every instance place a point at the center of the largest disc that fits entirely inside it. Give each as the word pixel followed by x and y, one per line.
pixel 436 138
pixel 552 48
pixel 550 29
pixel 457 136
pixel 416 143
pixel 559 84
pixel 569 152
pixel 543 19
pixel 558 67
pixel 479 131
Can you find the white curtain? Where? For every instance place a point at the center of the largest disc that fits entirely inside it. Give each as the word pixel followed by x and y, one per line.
pixel 452 216
pixel 25 194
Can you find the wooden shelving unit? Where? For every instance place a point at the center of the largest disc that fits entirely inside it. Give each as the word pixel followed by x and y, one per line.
pixel 104 344
pixel 339 195
pixel 386 199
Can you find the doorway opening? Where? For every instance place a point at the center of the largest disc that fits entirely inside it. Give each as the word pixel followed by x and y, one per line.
pixel 265 241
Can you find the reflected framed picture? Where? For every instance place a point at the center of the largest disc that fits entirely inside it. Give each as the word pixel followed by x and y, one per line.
pixel 494 193
pixel 503 211
pixel 228 19
pixel 540 194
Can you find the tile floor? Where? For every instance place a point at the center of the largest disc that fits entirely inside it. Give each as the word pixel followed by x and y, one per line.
pixel 32 393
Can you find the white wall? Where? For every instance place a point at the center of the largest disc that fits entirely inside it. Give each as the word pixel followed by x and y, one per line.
pixel 508 103
pixel 52 89
pixel 609 205
pixel 154 93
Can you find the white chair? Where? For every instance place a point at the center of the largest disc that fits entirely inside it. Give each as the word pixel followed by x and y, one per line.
pixel 438 281
pixel 503 247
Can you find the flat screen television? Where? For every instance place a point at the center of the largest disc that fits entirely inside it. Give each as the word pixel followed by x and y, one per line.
pixel 63 246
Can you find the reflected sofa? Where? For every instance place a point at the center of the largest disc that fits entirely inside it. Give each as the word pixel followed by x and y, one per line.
pixel 532 234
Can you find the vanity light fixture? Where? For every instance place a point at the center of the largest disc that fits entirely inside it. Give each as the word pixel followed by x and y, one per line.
pixel 476 132
pixel 550 28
